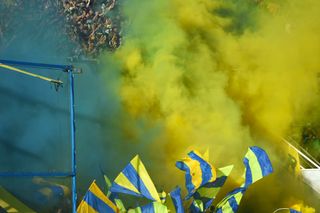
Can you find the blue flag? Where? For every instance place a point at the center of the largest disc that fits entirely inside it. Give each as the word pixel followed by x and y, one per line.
pixel 155 207
pixel 135 180
pixel 177 200
pixel 257 165
pixel 198 171
pixel 95 201
pixel 206 194
pixel 231 202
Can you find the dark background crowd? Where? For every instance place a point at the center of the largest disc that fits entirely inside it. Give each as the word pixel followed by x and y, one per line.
pixel 93 24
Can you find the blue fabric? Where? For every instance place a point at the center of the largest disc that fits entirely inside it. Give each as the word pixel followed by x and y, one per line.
pixel 190 187
pixel 235 191
pixel 263 159
pixel 264 164
pixel 206 171
pixel 147 208
pixel 194 209
pixel 176 199
pixel 294 211
pixel 132 175
pixel 117 188
pixel 248 180
pixel 205 167
pixel 233 203
pixel 207 202
pixel 217 183
pixel 96 203
pixel 219 210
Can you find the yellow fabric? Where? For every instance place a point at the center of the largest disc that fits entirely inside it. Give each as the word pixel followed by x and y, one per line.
pixel 120 205
pixel 195 171
pixel 123 181
pixel 225 206
pixel 159 208
pixel 255 167
pixel 206 157
pixel 85 208
pixel 141 170
pixel 136 210
pixel 97 192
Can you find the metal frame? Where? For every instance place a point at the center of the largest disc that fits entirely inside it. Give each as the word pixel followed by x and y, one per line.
pixel 70 70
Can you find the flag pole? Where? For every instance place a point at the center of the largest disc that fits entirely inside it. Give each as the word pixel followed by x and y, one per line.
pixel 73 144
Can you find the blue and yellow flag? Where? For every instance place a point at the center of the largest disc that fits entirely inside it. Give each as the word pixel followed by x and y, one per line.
pixel 206 194
pixel 155 207
pixel 95 201
pixel 231 202
pixel 198 171
pixel 135 180
pixel 113 196
pixel 176 199
pixel 257 165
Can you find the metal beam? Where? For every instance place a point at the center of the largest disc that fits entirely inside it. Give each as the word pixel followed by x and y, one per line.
pixel 73 144
pixel 64 68
pixel 70 70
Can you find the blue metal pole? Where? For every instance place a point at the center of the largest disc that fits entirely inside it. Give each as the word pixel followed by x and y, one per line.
pixel 70 70
pixel 73 145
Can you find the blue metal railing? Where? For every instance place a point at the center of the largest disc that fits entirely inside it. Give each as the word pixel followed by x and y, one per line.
pixel 70 70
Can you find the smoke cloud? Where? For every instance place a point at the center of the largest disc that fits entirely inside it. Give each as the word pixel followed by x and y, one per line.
pixel 217 74
pixel 190 74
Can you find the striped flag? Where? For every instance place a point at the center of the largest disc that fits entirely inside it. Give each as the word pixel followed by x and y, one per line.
pixel 257 165
pixel 135 180
pixel 113 196
pixel 155 207
pixel 206 194
pixel 176 199
pixel 231 202
pixel 95 201
pixel 198 171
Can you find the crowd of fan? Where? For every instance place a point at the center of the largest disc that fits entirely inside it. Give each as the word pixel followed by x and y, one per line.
pixel 91 26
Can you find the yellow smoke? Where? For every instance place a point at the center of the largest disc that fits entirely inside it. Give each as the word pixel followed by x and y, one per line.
pixel 273 71
pixel 219 73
